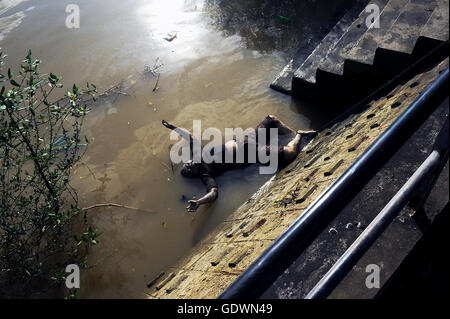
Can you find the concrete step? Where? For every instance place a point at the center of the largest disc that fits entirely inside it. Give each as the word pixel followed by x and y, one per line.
pixel 364 50
pixel 334 61
pixel 409 30
pixel 283 82
pixel 437 25
pixel 308 69
pixel 403 34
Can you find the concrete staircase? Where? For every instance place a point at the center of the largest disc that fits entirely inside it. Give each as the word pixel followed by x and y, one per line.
pixel 354 59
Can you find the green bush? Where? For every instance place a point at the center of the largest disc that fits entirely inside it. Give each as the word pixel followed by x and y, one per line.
pixel 42 227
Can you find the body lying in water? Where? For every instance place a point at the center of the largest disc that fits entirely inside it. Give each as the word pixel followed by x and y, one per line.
pixel 208 171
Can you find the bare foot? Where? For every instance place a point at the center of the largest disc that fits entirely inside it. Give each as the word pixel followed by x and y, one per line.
pixel 301 132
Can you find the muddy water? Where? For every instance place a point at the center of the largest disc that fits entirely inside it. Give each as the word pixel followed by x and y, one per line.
pixel 207 74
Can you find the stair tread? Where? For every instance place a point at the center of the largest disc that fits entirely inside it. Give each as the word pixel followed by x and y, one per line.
pixel 364 50
pixel 283 82
pixel 437 25
pixel 334 61
pixel 402 36
pixel 308 68
pixel 402 28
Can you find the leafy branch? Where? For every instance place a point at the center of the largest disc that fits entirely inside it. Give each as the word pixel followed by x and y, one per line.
pixel 42 227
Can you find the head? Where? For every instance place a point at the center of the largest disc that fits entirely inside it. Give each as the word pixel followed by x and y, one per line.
pixel 191 169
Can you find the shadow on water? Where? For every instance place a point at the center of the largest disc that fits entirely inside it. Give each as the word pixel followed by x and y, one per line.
pixel 291 26
pixel 318 115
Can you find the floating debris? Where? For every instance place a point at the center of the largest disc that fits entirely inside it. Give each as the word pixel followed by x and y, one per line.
pixel 170 37
pixel 156 84
pixel 283 19
pixel 154 107
pixel 153 70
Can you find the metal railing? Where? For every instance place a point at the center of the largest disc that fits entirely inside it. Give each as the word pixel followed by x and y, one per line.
pixel 254 281
pixel 431 167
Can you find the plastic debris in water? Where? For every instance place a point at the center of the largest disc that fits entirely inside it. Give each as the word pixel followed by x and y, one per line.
pixel 171 37
pixel 283 19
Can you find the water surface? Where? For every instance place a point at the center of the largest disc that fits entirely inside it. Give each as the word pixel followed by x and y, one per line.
pixel 218 69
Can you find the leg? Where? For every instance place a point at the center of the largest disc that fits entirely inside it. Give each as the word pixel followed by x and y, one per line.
pixel 291 150
pixel 184 133
pixel 271 121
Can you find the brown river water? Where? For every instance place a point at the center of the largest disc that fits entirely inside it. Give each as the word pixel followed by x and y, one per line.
pixel 218 69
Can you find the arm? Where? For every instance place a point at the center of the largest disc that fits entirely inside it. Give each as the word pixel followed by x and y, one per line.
pixel 185 135
pixel 208 198
pixel 212 192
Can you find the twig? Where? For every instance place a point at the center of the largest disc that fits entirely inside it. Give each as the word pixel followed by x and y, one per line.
pixel 117 205
pixel 152 70
pixel 156 84
pixel 90 171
